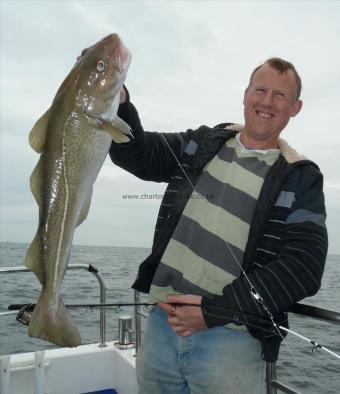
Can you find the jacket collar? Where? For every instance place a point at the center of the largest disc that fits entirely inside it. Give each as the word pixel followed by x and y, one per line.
pixel 288 152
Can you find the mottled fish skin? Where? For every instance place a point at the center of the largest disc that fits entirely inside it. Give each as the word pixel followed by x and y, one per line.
pixel 73 137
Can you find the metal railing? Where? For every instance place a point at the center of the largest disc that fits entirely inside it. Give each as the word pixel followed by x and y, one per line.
pixel 86 267
pixel 272 384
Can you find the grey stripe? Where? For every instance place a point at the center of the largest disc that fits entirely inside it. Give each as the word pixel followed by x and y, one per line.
pixel 304 215
pixel 306 268
pixel 252 164
pixel 322 250
pixel 278 279
pixel 223 195
pixel 271 236
pixel 238 302
pixel 291 274
pixel 266 251
pixel 208 246
pixel 307 254
pixel 285 199
pixel 168 276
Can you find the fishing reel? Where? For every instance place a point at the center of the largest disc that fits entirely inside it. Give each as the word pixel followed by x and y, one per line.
pixel 24 314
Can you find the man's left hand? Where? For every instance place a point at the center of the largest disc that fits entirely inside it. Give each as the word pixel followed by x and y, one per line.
pixel 184 320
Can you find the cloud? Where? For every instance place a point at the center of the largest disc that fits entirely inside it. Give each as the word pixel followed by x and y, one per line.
pixel 191 64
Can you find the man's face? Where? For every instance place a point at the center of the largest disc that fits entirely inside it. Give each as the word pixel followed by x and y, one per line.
pixel 269 103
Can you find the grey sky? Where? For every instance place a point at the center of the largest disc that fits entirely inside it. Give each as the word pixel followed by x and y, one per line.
pixel 191 64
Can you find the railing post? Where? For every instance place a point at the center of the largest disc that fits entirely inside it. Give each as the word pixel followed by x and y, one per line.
pixel 270 376
pixel 138 333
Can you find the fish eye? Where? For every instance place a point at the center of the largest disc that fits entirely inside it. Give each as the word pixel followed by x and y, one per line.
pixel 101 66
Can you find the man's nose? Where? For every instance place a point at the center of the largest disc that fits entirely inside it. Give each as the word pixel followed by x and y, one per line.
pixel 267 99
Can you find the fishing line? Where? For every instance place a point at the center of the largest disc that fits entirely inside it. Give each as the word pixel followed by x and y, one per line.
pixel 180 165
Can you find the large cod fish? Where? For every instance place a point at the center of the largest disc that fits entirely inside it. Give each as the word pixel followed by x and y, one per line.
pixel 73 137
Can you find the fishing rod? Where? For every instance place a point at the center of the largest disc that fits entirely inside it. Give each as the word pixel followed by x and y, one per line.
pixel 22 309
pixel 28 308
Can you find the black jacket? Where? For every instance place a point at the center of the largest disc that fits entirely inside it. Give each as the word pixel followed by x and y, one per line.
pixel 287 244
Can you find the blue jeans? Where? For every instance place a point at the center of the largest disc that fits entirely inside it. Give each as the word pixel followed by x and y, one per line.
pixel 217 361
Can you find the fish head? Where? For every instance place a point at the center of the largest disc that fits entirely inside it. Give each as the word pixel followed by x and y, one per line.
pixel 98 76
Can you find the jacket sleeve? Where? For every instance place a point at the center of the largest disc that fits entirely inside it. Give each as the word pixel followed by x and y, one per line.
pixel 296 270
pixel 150 155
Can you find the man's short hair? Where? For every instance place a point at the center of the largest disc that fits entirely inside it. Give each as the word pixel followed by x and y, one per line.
pixel 282 66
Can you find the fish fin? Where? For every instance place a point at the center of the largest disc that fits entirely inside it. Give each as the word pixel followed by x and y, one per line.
pixel 37 137
pixel 55 326
pixel 115 131
pixel 35 182
pixel 85 209
pixel 33 258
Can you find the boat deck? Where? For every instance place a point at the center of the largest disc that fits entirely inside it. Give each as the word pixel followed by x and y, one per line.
pixel 85 369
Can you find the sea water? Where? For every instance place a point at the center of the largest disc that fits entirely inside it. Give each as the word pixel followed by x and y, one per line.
pixel 298 367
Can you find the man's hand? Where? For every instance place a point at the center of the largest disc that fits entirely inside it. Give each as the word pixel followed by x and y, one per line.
pixel 184 320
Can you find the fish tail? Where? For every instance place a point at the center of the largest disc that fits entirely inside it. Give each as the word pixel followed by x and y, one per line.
pixel 33 259
pixel 52 325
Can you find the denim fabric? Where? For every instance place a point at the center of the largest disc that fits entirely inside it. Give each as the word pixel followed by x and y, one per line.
pixel 218 360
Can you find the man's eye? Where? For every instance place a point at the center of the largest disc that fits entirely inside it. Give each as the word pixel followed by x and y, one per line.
pixel 260 90
pixel 280 95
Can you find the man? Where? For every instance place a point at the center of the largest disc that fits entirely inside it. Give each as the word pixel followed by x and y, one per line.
pixel 240 234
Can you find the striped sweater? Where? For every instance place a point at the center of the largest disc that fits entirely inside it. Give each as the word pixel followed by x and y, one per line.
pixel 206 249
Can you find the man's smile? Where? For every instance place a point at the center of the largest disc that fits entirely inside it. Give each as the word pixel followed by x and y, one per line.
pixel 263 114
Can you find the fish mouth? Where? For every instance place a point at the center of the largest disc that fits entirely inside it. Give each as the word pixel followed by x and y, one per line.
pixel 124 58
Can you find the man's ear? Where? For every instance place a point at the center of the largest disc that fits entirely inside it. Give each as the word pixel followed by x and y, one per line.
pixel 296 108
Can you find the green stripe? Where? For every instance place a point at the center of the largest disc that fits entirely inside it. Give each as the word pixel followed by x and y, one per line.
pixel 158 294
pixel 218 221
pixel 236 176
pixel 195 269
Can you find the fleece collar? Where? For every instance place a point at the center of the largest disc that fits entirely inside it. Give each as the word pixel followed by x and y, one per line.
pixel 288 152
